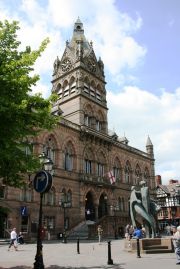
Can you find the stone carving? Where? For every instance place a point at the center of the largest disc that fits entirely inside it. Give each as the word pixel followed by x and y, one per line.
pixel 79 50
pixel 56 65
pixel 101 66
pixel 143 208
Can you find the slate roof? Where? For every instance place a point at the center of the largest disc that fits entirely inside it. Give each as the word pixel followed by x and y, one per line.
pixel 171 189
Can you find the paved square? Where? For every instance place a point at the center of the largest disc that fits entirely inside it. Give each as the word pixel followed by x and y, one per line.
pixel 92 256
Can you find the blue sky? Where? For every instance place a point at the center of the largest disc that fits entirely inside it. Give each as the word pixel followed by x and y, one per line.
pixel 139 43
pixel 159 34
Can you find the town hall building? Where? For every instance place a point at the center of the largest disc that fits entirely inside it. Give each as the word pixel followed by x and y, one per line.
pixel 93 168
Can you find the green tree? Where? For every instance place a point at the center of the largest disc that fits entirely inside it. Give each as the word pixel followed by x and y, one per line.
pixel 22 114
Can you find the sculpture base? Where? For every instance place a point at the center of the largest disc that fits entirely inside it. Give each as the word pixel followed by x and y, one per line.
pixel 149 245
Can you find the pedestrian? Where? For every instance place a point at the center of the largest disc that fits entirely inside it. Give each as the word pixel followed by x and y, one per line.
pixel 137 234
pixel 131 230
pixel 176 243
pixel 143 231
pixel 20 238
pixel 13 241
pixel 127 231
pixel 100 231
pixel 88 212
pixel 168 229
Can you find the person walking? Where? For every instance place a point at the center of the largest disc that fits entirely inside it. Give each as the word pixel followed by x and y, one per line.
pixel 100 231
pixel 127 231
pixel 13 238
pixel 20 238
pixel 176 243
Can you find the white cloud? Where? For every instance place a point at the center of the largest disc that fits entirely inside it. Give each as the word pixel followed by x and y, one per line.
pixel 110 29
pixel 140 114
pixel 41 87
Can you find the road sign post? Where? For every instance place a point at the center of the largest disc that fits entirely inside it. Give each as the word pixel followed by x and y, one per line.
pixel 42 184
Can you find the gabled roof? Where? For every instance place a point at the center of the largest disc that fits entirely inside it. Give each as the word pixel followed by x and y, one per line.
pixel 168 190
pixel 162 191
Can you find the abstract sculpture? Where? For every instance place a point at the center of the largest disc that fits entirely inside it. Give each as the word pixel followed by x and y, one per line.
pixel 143 208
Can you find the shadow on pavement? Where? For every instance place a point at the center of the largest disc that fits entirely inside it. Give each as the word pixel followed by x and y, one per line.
pixel 113 266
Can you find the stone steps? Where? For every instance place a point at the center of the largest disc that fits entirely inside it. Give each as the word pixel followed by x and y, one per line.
pixel 156 247
pixel 157 251
pixel 81 231
pixel 150 245
pixel 4 241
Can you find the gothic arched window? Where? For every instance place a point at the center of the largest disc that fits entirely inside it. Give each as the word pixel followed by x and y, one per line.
pixel 72 85
pixel 88 163
pixel 65 88
pixel 99 93
pixel 68 157
pixel 127 171
pixel 51 197
pixel 99 121
pixel 88 116
pixel 117 169
pixel 26 194
pixel 147 176
pixel 101 165
pixel 137 175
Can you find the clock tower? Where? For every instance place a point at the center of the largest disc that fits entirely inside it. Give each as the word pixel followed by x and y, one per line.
pixel 79 82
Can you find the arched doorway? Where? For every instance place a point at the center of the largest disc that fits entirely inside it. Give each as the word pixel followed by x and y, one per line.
pixel 102 209
pixel 89 207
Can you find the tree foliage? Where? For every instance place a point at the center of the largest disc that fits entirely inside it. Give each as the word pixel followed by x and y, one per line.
pixel 22 114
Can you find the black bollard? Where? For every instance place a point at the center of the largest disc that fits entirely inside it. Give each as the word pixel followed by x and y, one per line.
pixel 78 252
pixel 110 261
pixel 138 249
pixel 64 237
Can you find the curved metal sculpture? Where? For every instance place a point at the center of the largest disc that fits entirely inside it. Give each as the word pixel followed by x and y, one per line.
pixel 141 205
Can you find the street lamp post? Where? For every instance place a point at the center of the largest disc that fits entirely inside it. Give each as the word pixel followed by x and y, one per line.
pixel 64 205
pixel 42 184
pixel 114 209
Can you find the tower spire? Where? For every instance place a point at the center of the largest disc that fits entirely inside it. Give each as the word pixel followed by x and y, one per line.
pixel 149 147
pixel 78 27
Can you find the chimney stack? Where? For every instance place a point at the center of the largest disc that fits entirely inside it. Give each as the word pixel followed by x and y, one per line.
pixel 158 180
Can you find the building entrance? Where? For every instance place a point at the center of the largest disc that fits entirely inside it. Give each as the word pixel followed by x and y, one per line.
pixel 89 207
pixel 102 209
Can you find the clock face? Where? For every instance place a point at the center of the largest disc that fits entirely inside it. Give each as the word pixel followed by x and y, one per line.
pixel 92 65
pixel 66 65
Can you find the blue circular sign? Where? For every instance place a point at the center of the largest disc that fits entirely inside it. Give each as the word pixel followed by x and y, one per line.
pixel 42 181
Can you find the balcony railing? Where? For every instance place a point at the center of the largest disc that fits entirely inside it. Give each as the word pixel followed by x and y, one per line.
pixel 94 178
